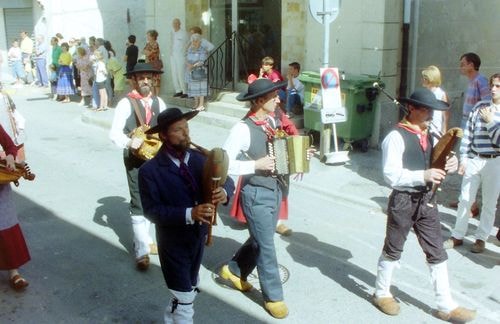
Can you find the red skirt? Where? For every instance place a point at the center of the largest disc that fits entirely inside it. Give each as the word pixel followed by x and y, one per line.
pixel 236 210
pixel 13 250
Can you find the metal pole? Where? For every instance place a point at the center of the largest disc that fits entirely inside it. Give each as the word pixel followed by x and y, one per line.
pixel 326 130
pixel 234 46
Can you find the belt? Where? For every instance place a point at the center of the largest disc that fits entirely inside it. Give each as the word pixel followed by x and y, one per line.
pixel 486 156
pixel 413 193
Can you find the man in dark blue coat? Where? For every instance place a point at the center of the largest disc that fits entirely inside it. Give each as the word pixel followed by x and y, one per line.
pixel 171 193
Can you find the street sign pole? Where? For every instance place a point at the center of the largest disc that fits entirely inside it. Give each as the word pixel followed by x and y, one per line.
pixel 325 13
pixel 326 129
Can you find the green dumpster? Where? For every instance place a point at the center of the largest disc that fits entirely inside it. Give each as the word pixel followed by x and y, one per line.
pixel 358 97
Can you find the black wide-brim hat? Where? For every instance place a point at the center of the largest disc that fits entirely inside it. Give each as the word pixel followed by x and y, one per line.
pixel 143 68
pixel 423 97
pixel 259 88
pixel 168 117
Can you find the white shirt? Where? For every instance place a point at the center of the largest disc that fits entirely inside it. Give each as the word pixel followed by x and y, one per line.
pixel 179 42
pixel 437 115
pixel 123 111
pixel 299 87
pixel 238 141
pixel 395 175
pixel 101 73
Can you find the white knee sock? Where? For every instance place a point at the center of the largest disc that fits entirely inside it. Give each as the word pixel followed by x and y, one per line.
pixel 180 309
pixel 384 276
pixel 142 239
pixel 440 283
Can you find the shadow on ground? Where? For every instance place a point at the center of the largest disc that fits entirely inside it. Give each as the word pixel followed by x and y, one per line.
pixel 78 277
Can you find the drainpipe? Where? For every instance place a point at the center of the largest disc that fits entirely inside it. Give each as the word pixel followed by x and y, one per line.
pixel 413 39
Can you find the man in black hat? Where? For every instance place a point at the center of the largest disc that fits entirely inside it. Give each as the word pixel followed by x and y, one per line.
pixel 171 192
pixel 124 122
pixel 261 194
pixel 407 153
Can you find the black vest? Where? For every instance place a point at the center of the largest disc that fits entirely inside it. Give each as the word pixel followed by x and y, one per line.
pixel 414 157
pixel 257 150
pixel 132 120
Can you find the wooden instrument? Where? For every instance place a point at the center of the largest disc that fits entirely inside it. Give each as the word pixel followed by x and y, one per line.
pixel 22 170
pixel 151 143
pixel 290 153
pixel 440 154
pixel 214 176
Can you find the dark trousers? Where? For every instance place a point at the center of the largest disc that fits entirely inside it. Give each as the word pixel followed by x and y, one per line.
pixel 261 208
pixel 132 165
pixel 407 211
pixel 180 257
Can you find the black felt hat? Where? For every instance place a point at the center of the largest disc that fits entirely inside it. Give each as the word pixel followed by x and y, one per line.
pixel 170 116
pixel 258 88
pixel 423 97
pixel 143 68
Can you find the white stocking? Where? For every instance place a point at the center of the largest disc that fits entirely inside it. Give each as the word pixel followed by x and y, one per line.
pixel 440 283
pixel 180 309
pixel 384 276
pixel 142 239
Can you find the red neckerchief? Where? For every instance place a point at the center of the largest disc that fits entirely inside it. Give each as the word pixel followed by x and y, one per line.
pixel 136 95
pixel 270 132
pixel 422 134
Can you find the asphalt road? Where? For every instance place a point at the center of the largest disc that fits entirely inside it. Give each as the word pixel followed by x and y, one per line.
pixel 76 223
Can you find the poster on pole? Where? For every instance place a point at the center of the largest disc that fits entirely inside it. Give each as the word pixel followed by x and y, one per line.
pixel 332 111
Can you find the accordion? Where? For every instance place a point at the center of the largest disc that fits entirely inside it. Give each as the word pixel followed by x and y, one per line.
pixel 290 154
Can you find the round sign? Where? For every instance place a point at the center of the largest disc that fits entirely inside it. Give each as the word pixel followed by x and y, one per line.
pixel 329 79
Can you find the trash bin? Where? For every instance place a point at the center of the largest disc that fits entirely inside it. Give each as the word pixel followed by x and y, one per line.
pixel 358 97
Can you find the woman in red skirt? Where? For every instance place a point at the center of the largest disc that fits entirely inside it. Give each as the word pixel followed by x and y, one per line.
pixel 13 250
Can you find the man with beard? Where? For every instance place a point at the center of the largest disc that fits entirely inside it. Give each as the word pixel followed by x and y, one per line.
pixel 124 122
pixel 171 192
pixel 406 156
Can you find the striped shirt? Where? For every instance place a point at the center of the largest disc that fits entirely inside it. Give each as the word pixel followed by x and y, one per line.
pixel 477 90
pixel 480 137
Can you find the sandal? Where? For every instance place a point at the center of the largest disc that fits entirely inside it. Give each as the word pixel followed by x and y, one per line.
pixel 200 108
pixel 18 283
pixel 66 100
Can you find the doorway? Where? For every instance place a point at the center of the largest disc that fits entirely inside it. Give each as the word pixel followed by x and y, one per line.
pixel 258 24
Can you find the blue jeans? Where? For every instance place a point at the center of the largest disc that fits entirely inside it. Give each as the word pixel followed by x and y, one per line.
pixel 18 70
pixel 261 208
pixel 290 97
pixel 41 71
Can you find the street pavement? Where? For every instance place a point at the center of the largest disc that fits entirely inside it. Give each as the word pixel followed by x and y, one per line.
pixel 74 216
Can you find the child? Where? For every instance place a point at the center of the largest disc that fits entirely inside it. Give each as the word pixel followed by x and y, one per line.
pixel 293 98
pixel 101 74
pixel 266 71
pixel 53 81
